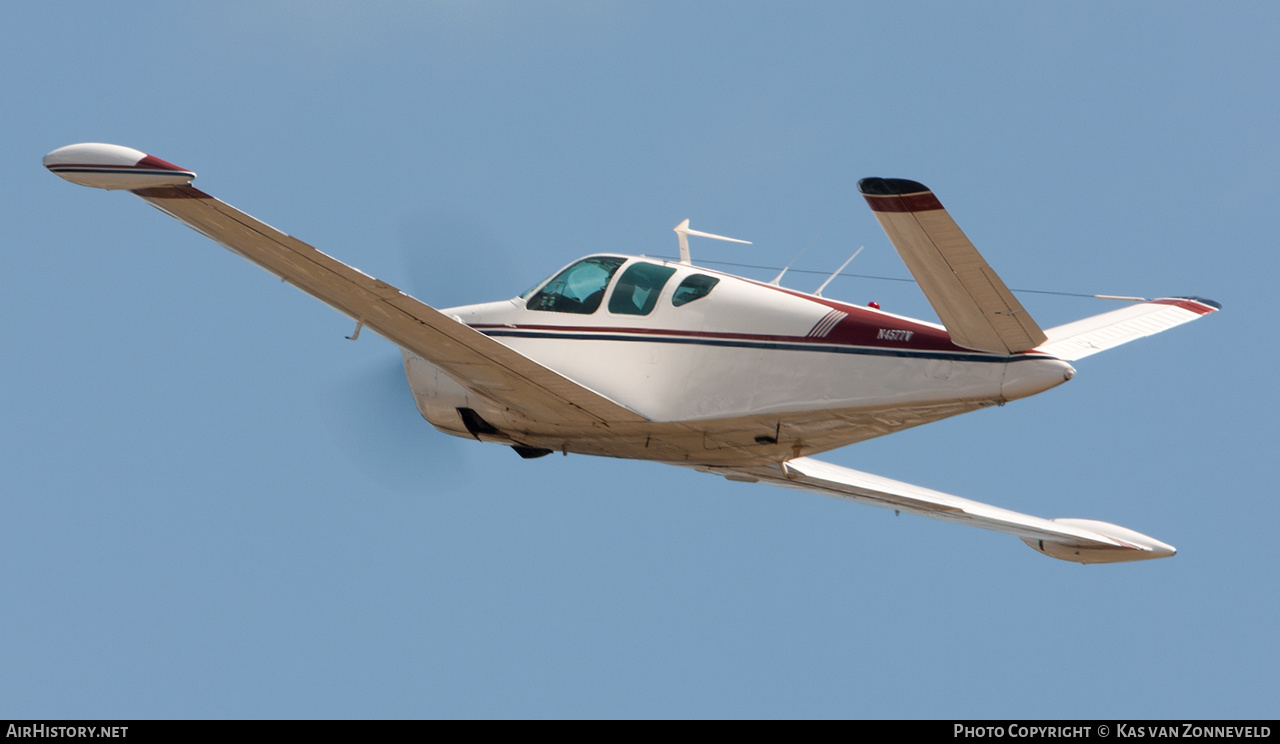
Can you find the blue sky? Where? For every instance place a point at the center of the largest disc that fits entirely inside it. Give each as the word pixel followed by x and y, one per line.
pixel 215 506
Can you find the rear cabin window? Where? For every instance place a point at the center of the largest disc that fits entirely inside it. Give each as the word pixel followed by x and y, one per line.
pixel 637 289
pixel 694 287
pixel 577 289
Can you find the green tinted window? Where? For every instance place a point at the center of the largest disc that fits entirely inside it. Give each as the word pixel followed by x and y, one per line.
pixel 577 289
pixel 694 287
pixel 637 289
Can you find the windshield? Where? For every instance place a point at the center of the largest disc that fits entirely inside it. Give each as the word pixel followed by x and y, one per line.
pixel 577 289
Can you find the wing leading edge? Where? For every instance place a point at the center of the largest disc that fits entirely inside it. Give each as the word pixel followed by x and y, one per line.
pixel 476 361
pixel 1076 540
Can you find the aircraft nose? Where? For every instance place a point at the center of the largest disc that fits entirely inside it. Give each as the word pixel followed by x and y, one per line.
pixel 1029 376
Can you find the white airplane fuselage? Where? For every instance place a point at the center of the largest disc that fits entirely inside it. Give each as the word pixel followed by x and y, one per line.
pixel 786 372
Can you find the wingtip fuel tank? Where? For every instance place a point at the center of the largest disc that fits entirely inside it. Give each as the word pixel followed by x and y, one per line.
pixel 106 166
pixel 1124 544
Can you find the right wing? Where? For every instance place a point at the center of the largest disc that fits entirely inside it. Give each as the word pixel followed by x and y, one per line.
pixel 1076 540
pixel 477 362
pixel 978 310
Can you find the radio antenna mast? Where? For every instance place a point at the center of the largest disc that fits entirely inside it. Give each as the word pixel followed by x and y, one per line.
pixel 818 293
pixel 683 231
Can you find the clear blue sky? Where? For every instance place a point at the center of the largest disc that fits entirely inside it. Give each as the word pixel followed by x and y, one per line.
pixel 214 505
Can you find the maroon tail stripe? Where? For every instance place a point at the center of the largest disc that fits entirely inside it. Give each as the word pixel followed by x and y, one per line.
pixel 922 202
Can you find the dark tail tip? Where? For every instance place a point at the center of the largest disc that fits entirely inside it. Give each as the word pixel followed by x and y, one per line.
pixel 890 186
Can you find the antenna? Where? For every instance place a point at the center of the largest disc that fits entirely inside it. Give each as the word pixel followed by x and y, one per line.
pixel 684 232
pixel 818 293
pixel 782 273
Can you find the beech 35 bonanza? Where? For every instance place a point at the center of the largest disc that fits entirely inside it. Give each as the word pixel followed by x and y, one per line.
pixel 635 357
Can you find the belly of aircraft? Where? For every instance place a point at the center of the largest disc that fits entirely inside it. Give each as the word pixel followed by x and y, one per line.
pixel 726 404
pixel 679 380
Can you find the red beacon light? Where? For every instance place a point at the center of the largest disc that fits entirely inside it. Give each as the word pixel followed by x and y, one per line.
pixel 873 304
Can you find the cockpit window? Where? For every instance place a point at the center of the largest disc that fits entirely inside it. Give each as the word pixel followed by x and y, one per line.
pixel 525 294
pixel 637 289
pixel 694 287
pixel 577 289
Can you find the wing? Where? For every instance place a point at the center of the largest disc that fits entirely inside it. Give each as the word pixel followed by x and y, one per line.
pixel 477 362
pixel 1076 540
pixel 1082 338
pixel 976 307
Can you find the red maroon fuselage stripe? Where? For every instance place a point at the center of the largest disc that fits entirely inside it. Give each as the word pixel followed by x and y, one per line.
pixel 847 332
pixel 922 202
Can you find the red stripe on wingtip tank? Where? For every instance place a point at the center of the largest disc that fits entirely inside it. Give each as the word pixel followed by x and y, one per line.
pixel 151 161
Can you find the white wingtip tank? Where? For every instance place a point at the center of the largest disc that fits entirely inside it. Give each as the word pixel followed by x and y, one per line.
pixel 1127 545
pixel 114 167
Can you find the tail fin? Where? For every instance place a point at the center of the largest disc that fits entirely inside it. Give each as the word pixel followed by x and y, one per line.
pixel 977 309
pixel 1081 338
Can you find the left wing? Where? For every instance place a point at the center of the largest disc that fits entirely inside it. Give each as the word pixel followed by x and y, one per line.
pixel 1076 540
pixel 476 361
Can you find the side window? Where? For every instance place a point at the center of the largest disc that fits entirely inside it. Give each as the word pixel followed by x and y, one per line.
pixel 637 289
pixel 577 289
pixel 694 287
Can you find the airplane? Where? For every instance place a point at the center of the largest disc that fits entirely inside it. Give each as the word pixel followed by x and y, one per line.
pixel 651 359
